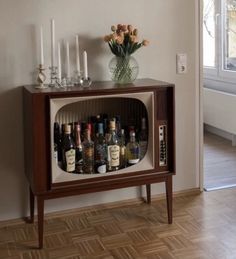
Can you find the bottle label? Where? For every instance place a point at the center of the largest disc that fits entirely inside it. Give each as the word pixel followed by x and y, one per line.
pixel 70 160
pixel 114 155
pixel 102 169
pixel 122 150
pixel 133 161
pixel 89 153
pixel 143 148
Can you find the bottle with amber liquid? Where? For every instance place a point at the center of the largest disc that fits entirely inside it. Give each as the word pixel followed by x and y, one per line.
pixel 113 149
pixel 68 151
pixel 79 150
pixel 100 151
pixel 122 149
pixel 88 153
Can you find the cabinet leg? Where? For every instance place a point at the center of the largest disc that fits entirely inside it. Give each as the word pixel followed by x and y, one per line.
pixel 169 194
pixel 32 199
pixel 148 191
pixel 40 203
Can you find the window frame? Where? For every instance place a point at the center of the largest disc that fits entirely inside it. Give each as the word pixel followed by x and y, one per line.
pixel 218 72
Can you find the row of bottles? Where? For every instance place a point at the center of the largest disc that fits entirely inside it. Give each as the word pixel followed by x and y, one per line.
pixel 77 152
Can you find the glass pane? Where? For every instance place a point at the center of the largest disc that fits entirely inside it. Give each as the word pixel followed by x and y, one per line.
pixel 209 33
pixel 230 35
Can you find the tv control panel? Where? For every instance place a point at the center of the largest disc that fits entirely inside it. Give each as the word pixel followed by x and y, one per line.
pixel 162 145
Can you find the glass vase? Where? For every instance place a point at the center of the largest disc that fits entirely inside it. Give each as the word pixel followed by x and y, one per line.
pixel 123 70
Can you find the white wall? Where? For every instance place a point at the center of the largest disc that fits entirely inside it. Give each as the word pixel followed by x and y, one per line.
pixel 170 27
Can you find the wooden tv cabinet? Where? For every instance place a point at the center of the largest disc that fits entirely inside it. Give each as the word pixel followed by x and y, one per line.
pixel 37 142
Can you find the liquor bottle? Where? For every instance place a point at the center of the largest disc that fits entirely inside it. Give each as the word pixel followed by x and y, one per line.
pixel 57 143
pixel 132 150
pixel 113 149
pixel 100 151
pixel 79 150
pixel 118 126
pixel 122 150
pixel 88 153
pixel 143 138
pixel 68 151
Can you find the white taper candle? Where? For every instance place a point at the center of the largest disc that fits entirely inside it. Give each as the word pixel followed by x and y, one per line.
pixel 68 58
pixel 41 46
pixel 52 42
pixel 85 59
pixel 77 52
pixel 59 60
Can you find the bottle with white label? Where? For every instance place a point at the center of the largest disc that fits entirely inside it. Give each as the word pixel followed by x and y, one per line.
pixel 132 150
pixel 113 148
pixel 68 151
pixel 143 138
pixel 100 151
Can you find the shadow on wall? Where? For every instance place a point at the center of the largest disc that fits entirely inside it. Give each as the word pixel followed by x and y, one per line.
pixel 12 176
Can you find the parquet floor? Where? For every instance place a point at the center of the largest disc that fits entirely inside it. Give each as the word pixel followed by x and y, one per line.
pixel 219 162
pixel 204 227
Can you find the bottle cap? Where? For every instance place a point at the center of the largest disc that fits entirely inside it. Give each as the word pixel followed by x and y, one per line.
pixel 132 134
pixel 112 125
pixel 67 128
pixel 77 127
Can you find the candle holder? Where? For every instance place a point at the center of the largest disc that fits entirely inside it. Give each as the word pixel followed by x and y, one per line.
pixel 86 82
pixel 41 78
pixel 54 79
pixel 77 79
pixel 69 82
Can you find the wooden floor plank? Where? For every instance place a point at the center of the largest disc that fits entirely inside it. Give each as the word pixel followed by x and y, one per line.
pixel 204 226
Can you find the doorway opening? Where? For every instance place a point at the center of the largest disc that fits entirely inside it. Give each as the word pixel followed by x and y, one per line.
pixel 219 93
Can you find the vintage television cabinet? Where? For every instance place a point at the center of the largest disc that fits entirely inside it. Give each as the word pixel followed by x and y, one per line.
pixel 154 99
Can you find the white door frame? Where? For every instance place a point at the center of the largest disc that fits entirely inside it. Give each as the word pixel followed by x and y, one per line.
pixel 199 93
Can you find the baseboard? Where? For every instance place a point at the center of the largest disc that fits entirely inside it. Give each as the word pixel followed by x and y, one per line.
pixel 64 213
pixel 218 132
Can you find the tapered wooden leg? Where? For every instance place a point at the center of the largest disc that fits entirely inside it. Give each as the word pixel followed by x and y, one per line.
pixel 148 191
pixel 32 199
pixel 40 203
pixel 169 194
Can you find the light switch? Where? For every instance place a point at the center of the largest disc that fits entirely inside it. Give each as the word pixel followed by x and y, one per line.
pixel 181 63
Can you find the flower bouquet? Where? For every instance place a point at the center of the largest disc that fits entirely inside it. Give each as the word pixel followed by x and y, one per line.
pixel 123 42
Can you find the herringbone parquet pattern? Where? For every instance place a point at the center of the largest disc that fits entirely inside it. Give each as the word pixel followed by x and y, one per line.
pixel 204 227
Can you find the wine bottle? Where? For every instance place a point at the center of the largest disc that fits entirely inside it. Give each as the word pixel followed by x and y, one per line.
pixel 68 151
pixel 100 151
pixel 113 149
pixel 143 138
pixel 133 151
pixel 122 150
pixel 79 150
pixel 88 153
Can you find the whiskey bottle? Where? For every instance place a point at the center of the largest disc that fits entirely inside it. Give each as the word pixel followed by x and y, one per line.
pixel 100 151
pixel 68 151
pixel 79 150
pixel 113 149
pixel 122 150
pixel 133 151
pixel 88 153
pixel 143 138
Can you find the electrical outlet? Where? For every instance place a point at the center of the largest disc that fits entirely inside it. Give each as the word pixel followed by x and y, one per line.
pixel 181 63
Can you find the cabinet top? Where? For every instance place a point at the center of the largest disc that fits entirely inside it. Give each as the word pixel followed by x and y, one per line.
pixel 100 86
